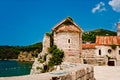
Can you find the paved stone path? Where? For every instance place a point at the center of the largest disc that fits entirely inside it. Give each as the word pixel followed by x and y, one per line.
pixel 107 72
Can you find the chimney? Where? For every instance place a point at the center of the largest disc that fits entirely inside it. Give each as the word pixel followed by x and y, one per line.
pixel 118 29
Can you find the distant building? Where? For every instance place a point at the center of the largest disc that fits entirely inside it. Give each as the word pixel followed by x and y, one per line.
pixel 105 51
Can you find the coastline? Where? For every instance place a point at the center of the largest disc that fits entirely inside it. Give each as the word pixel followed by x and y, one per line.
pixel 9 59
pixel 12 67
pixel 15 60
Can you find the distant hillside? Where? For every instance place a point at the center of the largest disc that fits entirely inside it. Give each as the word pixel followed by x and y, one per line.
pixel 11 52
pixel 90 36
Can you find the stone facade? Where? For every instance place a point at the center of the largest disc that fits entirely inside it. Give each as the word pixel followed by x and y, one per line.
pixel 89 55
pixel 68 37
pixel 46 45
pixel 108 52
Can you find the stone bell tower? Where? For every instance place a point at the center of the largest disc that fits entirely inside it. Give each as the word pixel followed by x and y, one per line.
pixel 118 29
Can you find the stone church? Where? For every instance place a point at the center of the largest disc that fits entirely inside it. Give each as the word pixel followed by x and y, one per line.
pixel 67 36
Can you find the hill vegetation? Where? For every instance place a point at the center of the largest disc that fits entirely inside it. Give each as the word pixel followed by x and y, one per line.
pixel 90 36
pixel 11 52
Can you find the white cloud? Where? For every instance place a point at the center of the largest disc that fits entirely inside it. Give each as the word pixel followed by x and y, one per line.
pixel 99 7
pixel 115 5
pixel 114 26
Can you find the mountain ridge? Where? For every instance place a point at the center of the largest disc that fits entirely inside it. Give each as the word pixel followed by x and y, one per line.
pixel 90 36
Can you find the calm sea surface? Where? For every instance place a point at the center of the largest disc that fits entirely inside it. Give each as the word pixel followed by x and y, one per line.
pixel 14 68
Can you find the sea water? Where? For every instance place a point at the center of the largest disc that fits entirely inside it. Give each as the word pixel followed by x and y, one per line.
pixel 14 68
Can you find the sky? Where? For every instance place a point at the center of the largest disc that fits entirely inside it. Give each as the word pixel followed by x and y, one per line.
pixel 24 22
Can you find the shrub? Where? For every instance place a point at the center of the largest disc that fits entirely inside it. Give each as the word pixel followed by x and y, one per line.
pixel 40 60
pixel 113 46
pixel 38 68
pixel 57 56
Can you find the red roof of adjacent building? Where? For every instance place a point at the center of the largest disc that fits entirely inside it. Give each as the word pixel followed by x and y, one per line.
pixel 103 40
pixel 88 46
pixel 108 40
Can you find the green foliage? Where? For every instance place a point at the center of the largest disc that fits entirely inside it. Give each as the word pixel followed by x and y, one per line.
pixel 119 46
pixel 57 56
pixel 41 69
pixel 113 46
pixel 51 38
pixel 48 33
pixel 90 36
pixel 38 68
pixel 108 57
pixel 51 49
pixel 33 47
pixel 68 21
pixel 45 56
pixel 40 60
pixel 11 52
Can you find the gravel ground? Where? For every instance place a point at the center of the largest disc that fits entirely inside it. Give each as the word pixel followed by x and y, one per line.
pixel 107 72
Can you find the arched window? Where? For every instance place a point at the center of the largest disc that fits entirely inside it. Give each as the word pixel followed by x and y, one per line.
pixel 68 40
pixel 119 52
pixel 99 52
pixel 109 51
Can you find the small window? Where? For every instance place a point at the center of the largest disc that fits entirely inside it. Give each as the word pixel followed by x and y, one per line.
pixel 119 52
pixel 68 40
pixel 109 51
pixel 99 52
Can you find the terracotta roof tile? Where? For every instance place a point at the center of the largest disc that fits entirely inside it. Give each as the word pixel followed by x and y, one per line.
pixel 108 40
pixel 69 28
pixel 63 27
pixel 88 46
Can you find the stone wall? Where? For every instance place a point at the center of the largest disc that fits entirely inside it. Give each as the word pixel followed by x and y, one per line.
pixel 88 53
pixel 70 43
pixel 90 57
pixel 46 45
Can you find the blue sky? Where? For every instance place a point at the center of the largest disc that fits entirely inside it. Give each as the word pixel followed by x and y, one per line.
pixel 24 22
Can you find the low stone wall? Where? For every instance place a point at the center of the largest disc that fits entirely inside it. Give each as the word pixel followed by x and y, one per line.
pixel 95 61
pixel 77 72
pixel 69 72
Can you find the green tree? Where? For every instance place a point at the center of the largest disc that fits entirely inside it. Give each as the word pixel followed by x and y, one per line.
pixel 57 56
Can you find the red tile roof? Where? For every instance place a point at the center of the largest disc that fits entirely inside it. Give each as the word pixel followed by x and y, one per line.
pixel 108 40
pixel 72 28
pixel 88 46
pixel 69 28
